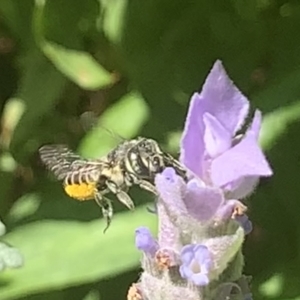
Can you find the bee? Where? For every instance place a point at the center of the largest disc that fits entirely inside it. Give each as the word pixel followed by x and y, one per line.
pixel 132 162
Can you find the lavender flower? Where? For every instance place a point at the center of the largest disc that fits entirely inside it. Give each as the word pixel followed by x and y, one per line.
pixel 196 264
pixel 245 223
pixel 202 222
pixel 144 241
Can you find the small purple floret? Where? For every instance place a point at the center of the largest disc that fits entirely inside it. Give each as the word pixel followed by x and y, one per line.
pixel 169 174
pixel 196 264
pixel 245 223
pixel 144 241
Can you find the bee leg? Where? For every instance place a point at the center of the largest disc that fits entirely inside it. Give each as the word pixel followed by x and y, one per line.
pixel 122 196
pixel 125 199
pixel 147 186
pixel 106 207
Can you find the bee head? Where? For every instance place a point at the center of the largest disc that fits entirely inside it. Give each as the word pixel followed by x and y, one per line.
pixel 155 159
pixel 145 158
pixel 149 146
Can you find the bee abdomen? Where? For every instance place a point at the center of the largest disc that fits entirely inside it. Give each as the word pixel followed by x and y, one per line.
pixel 82 176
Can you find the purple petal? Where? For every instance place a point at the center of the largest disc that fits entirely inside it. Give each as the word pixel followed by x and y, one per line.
pixel 200 279
pixel 192 143
pixel 241 188
pixel 185 272
pixel 203 256
pixel 221 98
pixel 144 241
pixel 169 174
pixel 186 257
pixel 187 254
pixel 244 159
pixel 216 138
pixel 202 202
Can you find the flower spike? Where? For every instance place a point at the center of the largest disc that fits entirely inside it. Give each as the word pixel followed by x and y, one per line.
pixel 202 221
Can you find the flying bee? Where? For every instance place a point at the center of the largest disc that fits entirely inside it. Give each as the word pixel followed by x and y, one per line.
pixel 133 162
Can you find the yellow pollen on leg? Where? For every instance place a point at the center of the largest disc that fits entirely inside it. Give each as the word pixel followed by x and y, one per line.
pixel 81 192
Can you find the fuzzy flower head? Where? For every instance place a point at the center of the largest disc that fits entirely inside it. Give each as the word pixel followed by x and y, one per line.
pixel 202 221
pixel 144 241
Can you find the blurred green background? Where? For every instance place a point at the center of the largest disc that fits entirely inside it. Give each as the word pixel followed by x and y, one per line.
pixel 131 67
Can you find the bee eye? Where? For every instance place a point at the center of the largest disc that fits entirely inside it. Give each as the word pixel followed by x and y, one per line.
pixel 144 146
pixel 156 161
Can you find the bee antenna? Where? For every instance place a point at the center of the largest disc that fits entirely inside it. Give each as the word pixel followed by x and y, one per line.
pixel 112 133
pixel 89 121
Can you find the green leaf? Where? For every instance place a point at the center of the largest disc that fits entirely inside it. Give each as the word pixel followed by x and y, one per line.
pixel 9 257
pixel 124 118
pixel 168 60
pixel 112 19
pixel 39 89
pixel 2 228
pixel 273 286
pixel 281 284
pixel 6 182
pixel 92 295
pixel 78 66
pixel 12 113
pixel 276 123
pixel 60 254
pixel 27 205
pixel 18 17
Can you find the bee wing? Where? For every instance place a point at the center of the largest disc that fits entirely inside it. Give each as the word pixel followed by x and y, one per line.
pixel 64 163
